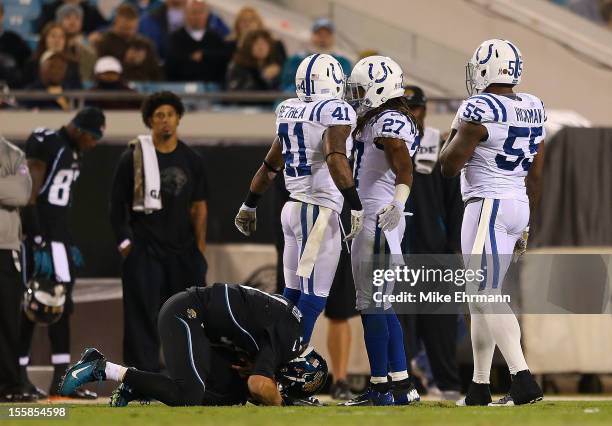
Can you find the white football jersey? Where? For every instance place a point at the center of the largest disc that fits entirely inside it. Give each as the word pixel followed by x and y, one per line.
pixel 373 176
pixel 498 167
pixel 300 127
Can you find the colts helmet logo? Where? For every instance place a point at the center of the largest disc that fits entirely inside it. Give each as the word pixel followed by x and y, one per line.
pixel 384 68
pixel 333 74
pixel 485 60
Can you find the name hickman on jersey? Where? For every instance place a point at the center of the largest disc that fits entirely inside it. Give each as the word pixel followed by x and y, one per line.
pixel 533 115
pixel 286 111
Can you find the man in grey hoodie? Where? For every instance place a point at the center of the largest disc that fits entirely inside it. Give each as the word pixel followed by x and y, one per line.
pixel 15 187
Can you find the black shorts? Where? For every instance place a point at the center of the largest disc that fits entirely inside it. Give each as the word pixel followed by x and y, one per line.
pixel 204 372
pixel 341 300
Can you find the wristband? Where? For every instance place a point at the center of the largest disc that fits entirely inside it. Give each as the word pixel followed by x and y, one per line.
pixel 252 199
pixel 402 191
pixel 352 198
pixel 335 152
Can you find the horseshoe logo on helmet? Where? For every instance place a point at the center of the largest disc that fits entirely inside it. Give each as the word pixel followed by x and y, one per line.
pixel 381 79
pixel 484 61
pixel 333 73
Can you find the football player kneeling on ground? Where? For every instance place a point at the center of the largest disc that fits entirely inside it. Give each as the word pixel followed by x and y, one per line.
pixel 223 345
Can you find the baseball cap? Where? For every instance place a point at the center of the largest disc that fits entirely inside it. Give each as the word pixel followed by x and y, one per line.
pixel 90 120
pixel 67 10
pixel 323 23
pixel 415 96
pixel 108 64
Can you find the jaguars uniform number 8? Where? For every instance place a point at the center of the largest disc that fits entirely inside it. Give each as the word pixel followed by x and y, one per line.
pixel 59 192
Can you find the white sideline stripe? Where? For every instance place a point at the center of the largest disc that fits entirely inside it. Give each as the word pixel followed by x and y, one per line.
pixel 191 353
pixel 229 308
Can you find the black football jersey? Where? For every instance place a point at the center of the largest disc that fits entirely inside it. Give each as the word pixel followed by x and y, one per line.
pixel 63 161
pixel 264 328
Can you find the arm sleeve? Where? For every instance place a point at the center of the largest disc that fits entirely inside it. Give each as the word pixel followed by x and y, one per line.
pixel 15 189
pixel 200 184
pixel 121 197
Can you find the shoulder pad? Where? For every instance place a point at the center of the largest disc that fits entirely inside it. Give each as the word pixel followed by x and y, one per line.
pixel 334 112
pixel 41 133
pixel 394 124
pixel 483 108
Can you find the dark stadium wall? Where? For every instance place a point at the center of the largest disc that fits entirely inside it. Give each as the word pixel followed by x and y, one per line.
pixel 228 169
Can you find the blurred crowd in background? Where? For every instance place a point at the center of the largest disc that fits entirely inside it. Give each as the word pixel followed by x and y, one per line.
pixel 172 40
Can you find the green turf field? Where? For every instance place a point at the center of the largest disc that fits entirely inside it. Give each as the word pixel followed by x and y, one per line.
pixel 425 413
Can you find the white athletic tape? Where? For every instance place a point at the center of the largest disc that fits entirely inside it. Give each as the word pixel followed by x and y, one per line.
pixel 395 247
pixel 60 262
pixel 483 226
pixel 313 244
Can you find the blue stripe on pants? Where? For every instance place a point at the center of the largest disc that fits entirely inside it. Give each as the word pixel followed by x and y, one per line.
pixel 304 224
pixel 494 244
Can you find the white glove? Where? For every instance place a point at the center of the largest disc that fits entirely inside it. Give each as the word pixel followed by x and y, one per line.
pixel 521 245
pixel 390 215
pixel 246 220
pixel 356 224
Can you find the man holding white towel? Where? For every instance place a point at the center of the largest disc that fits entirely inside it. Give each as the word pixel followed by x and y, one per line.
pixel 158 212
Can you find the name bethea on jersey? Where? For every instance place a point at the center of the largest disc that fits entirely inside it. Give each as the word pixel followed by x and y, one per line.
pixel 532 115
pixel 286 111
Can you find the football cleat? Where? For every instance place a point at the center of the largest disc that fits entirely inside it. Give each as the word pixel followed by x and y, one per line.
pixel 404 393
pixel 123 395
pixel 341 391
pixel 523 390
pixel 505 401
pixel 90 368
pixel 477 394
pixel 370 397
pixel 77 394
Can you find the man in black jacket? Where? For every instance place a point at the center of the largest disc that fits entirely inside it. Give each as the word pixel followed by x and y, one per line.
pixel 434 229
pixel 196 53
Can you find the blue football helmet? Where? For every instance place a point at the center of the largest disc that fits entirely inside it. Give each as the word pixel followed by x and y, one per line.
pixel 303 376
